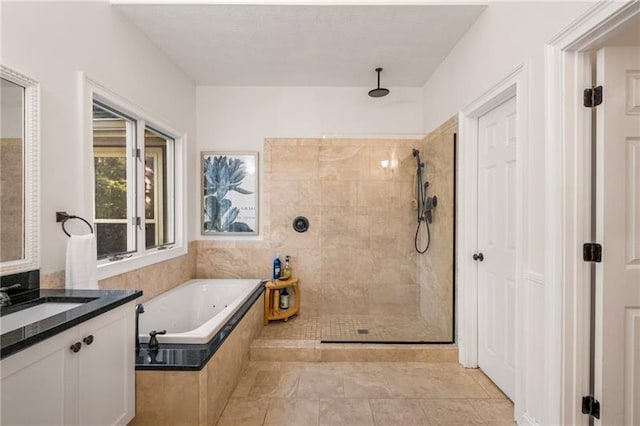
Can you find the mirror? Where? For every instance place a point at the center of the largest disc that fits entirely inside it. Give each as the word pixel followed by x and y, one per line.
pixel 19 99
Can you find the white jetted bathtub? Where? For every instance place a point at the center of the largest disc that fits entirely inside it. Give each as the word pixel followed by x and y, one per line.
pixel 195 311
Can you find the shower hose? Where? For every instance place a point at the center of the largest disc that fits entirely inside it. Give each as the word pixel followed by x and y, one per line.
pixel 422 207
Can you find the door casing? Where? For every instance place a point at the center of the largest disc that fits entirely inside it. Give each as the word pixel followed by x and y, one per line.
pixel 513 84
pixel 567 201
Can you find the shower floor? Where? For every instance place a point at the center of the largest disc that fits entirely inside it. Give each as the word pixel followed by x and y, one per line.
pixel 351 328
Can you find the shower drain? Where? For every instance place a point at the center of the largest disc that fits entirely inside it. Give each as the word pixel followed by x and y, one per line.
pixel 363 331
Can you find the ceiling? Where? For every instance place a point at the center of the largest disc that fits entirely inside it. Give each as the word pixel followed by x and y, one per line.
pixel 304 45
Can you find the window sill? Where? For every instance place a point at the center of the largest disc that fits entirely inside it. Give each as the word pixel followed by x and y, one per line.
pixel 107 269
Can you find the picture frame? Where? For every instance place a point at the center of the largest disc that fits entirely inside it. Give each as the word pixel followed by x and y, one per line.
pixel 229 193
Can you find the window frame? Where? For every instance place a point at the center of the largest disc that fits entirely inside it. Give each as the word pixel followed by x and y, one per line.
pixel 141 257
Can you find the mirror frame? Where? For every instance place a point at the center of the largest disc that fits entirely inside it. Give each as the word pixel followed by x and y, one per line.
pixel 31 142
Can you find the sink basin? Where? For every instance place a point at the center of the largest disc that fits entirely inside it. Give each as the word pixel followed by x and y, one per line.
pixel 35 313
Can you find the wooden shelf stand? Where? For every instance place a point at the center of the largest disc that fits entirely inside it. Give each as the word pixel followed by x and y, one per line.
pixel 272 292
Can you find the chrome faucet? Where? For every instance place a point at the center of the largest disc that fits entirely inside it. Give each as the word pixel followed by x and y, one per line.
pixel 139 310
pixel 5 299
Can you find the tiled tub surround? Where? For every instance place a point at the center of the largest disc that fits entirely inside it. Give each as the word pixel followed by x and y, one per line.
pixel 152 280
pixel 191 350
pixel 198 397
pixel 357 261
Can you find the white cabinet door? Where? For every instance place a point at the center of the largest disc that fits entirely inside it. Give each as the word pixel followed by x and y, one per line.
pixel 497 243
pixel 107 377
pixel 617 363
pixel 49 384
pixel 38 384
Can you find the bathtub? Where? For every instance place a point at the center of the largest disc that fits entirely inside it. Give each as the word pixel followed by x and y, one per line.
pixel 195 311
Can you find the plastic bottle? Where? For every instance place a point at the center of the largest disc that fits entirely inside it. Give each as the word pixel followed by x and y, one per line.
pixel 276 267
pixel 286 271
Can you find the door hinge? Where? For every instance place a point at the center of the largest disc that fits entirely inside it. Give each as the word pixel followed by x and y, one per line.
pixel 592 252
pixel 136 153
pixel 593 96
pixel 591 406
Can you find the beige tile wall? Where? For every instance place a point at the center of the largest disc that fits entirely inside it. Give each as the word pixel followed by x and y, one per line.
pixel 358 255
pixel 197 397
pixel 152 280
pixel 435 269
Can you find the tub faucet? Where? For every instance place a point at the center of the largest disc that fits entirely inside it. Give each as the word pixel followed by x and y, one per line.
pixel 5 299
pixel 139 310
pixel 153 340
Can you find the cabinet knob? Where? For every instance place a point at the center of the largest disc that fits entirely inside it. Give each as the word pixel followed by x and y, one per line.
pixel 88 340
pixel 76 347
pixel 478 257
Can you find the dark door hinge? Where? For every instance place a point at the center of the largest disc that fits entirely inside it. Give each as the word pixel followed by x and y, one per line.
pixel 136 153
pixel 592 252
pixel 593 96
pixel 591 406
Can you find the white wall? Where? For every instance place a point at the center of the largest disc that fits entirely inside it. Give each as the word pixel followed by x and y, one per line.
pixel 51 43
pixel 239 118
pixel 505 36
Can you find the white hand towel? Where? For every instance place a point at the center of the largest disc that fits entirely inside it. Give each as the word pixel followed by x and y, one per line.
pixel 82 264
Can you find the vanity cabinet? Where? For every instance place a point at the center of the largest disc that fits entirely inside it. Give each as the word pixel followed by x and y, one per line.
pixel 82 376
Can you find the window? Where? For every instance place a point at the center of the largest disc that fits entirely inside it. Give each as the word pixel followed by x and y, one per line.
pixel 134 184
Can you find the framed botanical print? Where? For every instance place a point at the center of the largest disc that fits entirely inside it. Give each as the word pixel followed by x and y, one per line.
pixel 229 193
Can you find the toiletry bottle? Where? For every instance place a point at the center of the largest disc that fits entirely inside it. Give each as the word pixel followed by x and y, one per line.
pixel 276 267
pixel 284 299
pixel 286 271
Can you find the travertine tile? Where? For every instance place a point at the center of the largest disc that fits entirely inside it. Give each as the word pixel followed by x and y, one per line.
pixel 352 412
pixel 244 412
pixel 489 387
pixel 450 412
pixel 320 384
pixel 275 384
pixel 405 412
pixel 365 385
pixel 292 412
pixel 494 411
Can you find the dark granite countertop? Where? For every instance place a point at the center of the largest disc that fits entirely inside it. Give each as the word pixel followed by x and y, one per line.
pixel 96 302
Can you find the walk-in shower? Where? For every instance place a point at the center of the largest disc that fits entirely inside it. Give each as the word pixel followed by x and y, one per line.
pixel 424 205
pixel 361 274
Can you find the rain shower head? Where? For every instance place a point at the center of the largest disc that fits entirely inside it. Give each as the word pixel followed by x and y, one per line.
pixel 378 92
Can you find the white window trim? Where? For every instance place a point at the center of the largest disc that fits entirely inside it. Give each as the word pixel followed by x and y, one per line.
pixel 90 89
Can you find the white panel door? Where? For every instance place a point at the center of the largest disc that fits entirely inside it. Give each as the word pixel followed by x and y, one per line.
pixel 497 244
pixel 617 363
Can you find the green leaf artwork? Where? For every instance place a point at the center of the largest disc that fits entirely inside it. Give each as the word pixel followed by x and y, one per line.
pixel 223 175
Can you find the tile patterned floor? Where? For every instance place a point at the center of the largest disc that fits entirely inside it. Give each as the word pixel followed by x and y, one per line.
pixel 306 394
pixel 345 328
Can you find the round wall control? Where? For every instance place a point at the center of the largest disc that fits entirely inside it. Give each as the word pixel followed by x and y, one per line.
pixel 301 224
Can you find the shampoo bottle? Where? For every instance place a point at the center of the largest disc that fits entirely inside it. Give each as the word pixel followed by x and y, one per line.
pixel 276 267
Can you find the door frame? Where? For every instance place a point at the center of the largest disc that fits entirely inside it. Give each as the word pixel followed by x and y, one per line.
pixel 567 201
pixel 514 84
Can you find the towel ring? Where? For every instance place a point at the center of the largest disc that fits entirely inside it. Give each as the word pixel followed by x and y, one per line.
pixel 64 217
